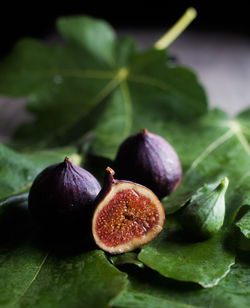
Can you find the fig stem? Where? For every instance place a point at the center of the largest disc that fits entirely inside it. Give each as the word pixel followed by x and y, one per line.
pixel 109 176
pixel 144 131
pixel 67 159
pixel 110 171
pixel 181 24
pixel 223 184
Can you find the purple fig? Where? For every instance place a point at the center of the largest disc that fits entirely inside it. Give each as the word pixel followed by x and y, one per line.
pixel 127 215
pixel 148 159
pixel 63 194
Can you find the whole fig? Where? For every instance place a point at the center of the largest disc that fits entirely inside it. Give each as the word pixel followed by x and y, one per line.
pixel 63 194
pixel 127 215
pixel 202 215
pixel 148 159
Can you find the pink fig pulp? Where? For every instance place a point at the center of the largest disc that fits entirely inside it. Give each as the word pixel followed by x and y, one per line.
pixel 127 215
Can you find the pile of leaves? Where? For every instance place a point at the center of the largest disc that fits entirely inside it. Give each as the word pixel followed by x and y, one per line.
pixel 86 96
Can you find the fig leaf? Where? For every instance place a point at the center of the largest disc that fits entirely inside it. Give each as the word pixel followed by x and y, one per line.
pixel 105 88
pixel 244 224
pixel 96 84
pixel 213 148
pixel 233 291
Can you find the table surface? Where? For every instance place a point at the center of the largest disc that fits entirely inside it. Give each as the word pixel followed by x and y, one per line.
pixel 222 62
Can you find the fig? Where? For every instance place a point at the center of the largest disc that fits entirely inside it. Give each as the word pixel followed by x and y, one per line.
pixel 127 215
pixel 203 214
pixel 148 159
pixel 62 194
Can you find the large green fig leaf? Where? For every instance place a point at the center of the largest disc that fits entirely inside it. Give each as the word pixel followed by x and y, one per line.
pixel 16 173
pixel 213 148
pixel 43 270
pixel 85 280
pixel 32 277
pixel 175 256
pixel 96 87
pixel 96 83
pixel 232 292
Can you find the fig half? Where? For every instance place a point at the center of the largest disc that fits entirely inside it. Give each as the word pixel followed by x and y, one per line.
pixel 148 159
pixel 127 215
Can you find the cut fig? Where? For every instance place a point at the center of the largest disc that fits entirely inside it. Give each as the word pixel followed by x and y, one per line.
pixel 127 215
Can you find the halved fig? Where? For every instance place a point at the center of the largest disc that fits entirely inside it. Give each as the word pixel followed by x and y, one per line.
pixel 127 215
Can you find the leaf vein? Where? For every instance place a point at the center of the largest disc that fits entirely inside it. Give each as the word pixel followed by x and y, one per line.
pixel 243 141
pixel 245 130
pixel 211 147
pixel 148 81
pixel 241 284
pixel 78 73
pixel 104 92
pixel 128 106
pixel 32 280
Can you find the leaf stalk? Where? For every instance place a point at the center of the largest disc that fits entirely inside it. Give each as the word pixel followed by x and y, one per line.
pixel 171 35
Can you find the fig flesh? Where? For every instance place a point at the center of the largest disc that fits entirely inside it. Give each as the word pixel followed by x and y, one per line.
pixel 148 159
pixel 127 215
pixel 62 194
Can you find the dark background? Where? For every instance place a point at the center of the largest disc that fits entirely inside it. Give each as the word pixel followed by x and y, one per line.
pixel 38 20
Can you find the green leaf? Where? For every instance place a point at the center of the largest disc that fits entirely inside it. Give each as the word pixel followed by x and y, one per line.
pixel 104 88
pixel 174 256
pixel 95 36
pixel 93 81
pixel 37 270
pixel 203 214
pixel 16 173
pixel 35 278
pixel 213 148
pixel 127 258
pixel 232 292
pixel 244 224
pixel 87 280
pixel 150 93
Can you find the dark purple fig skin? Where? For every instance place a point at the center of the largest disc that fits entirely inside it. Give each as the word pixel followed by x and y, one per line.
pixel 63 193
pixel 148 159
